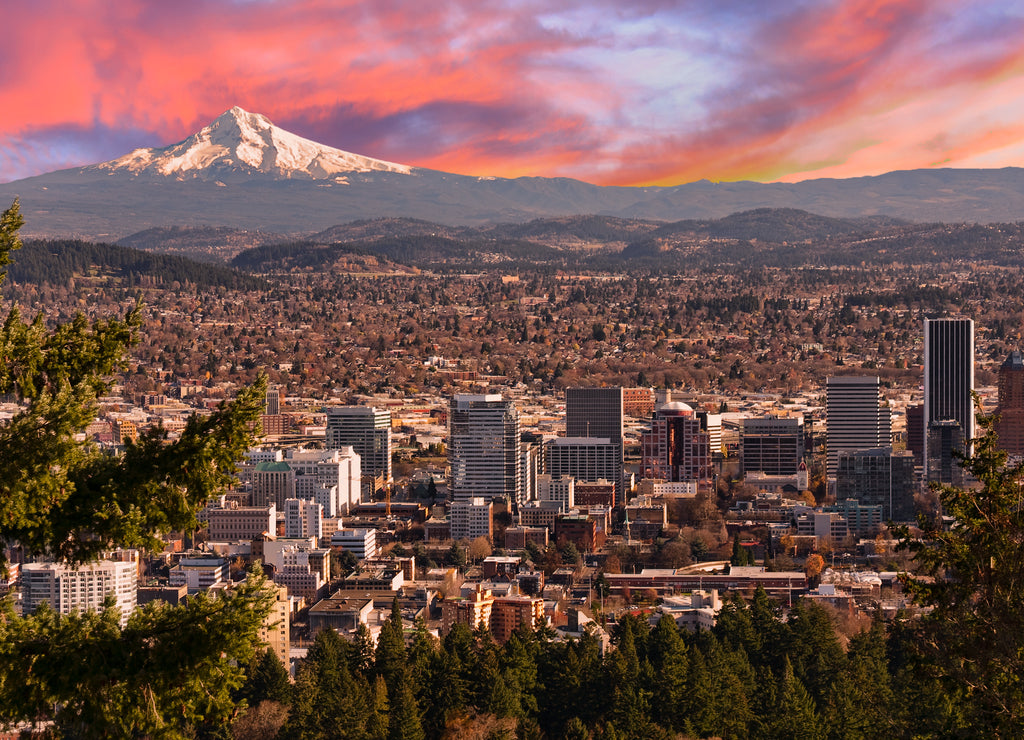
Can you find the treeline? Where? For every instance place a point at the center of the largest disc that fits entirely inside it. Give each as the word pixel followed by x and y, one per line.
pixel 55 262
pixel 755 675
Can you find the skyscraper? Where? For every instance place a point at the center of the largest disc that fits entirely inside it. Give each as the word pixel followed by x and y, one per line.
pixel 857 418
pixel 483 448
pixel 365 429
pixel 597 413
pixel 1010 427
pixel 948 383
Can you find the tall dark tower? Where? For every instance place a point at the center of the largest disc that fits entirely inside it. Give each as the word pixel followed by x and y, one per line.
pixel 597 413
pixel 948 383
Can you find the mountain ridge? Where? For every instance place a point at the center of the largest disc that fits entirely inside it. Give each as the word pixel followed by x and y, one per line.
pixel 242 172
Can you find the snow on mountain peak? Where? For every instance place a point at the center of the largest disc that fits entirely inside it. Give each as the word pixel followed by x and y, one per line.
pixel 239 140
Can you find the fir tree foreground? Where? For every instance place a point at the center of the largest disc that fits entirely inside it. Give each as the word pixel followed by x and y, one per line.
pixel 169 671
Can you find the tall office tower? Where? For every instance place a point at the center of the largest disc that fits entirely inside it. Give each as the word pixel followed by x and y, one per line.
pixel 678 445
pixel 597 412
pixel 857 418
pixel 772 445
pixel 1010 427
pixel 273 403
pixel 368 431
pixel 483 448
pixel 948 382
pixel 878 477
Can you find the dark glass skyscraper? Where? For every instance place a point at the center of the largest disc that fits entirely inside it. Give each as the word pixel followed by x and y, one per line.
pixel 948 382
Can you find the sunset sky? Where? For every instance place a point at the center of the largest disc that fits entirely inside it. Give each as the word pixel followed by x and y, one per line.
pixel 612 92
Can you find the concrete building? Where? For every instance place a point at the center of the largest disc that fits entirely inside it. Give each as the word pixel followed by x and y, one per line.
pixel 472 518
pixel 360 542
pixel 199 573
pixel 233 522
pixel 367 430
pixel 878 477
pixel 484 449
pixel 68 589
pixel 948 383
pixel 332 478
pixel 561 490
pixel 473 610
pixel 303 518
pixel 586 459
pixel 509 612
pixel 275 632
pixel 857 417
pixel 272 483
pixel 772 445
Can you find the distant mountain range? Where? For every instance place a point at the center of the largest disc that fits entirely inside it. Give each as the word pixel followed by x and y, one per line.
pixel 242 172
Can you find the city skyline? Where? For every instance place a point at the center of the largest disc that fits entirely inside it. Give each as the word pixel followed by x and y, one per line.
pixel 610 94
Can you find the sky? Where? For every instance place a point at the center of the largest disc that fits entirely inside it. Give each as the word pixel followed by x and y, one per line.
pixel 613 92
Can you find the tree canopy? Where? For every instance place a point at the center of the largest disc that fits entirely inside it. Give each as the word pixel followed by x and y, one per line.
pixel 167 671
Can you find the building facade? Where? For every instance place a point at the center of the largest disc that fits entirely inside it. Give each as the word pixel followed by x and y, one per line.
pixel 857 417
pixel 597 413
pixel 948 384
pixel 1010 426
pixel 878 477
pixel 772 445
pixel 677 447
pixel 587 459
pixel 365 429
pixel 484 448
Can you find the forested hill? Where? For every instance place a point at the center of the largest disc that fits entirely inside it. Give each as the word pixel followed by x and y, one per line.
pixel 56 262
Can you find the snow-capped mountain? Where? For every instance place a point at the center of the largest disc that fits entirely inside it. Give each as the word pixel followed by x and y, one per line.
pixel 243 142
pixel 243 172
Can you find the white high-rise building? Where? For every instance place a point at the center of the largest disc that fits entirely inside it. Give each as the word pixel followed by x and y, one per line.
pixel 68 589
pixel 561 489
pixel 856 417
pixel 948 383
pixel 329 477
pixel 483 448
pixel 303 518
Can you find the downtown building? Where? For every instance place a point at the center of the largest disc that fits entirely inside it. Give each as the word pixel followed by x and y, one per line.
pixel 772 445
pixel 856 417
pixel 677 447
pixel 367 430
pixel 948 402
pixel 484 449
pixel 1010 425
pixel 597 413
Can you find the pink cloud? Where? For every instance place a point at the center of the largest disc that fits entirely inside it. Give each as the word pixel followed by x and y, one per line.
pixel 497 88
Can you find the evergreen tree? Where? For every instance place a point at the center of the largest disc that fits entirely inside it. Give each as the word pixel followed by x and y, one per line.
pixel 266 679
pixel 378 726
pixel 168 670
pixel 405 714
pixel 972 642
